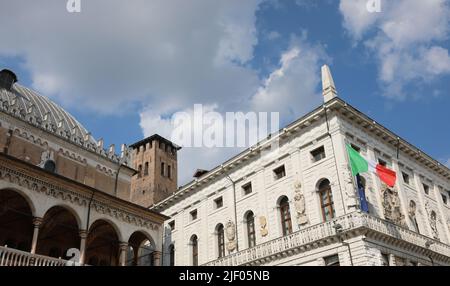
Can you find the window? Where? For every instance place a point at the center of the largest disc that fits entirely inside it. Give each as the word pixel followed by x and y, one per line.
pixel 194 246
pixel 279 172
pixel 193 214
pixel 318 154
pixel 50 166
pixel 162 168
pixel 382 162
pixel 169 171
pixel 385 259
pixel 444 198
pixel 140 171
pixel 172 225
pixel 247 188
pixel 285 215
pixel 220 240
pixel 332 260
pixel 326 200
pixel 426 189
pixel 356 148
pixel 405 178
pixel 251 234
pixel 146 169
pixel 218 203
pixel 172 255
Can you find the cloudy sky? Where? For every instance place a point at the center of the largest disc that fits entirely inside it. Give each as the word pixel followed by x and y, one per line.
pixel 123 68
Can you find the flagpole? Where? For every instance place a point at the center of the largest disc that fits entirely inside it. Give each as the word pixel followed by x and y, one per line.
pixel 355 184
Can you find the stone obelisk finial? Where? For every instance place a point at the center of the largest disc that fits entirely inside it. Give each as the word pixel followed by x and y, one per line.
pixel 328 88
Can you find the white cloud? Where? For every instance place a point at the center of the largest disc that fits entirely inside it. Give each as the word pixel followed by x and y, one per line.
pixel 291 89
pixel 163 55
pixel 405 39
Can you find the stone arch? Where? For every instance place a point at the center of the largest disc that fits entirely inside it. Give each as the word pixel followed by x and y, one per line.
pixel 16 219
pixel 142 246
pixel 59 232
pixel 102 244
pixel 23 195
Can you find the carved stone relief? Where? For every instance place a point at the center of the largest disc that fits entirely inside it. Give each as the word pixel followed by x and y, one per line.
pixel 299 202
pixel 231 235
pixel 263 226
pixel 433 221
pixel 350 192
pixel 391 206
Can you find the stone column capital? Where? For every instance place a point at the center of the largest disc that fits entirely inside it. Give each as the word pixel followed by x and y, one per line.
pixel 37 221
pixel 83 233
pixel 123 245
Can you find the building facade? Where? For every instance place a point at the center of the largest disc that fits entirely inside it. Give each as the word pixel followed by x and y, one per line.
pixel 291 200
pixel 64 198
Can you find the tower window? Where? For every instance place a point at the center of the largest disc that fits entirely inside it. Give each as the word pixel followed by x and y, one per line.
pixel 162 169
pixel 169 171
pixel 146 169
pixel 140 171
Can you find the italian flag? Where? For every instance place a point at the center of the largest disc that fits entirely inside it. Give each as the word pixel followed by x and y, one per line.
pixel 359 164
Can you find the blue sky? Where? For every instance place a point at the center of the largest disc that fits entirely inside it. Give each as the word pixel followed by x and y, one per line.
pixel 123 70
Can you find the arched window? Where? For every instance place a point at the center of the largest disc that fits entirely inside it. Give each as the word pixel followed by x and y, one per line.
pixel 50 166
pixel 220 240
pixel 326 200
pixel 172 255
pixel 285 215
pixel 194 246
pixel 251 235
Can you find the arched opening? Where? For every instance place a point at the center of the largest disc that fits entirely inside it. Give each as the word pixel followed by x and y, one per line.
pixel 58 233
pixel 194 250
pixel 250 226
pixel 285 216
pixel 220 233
pixel 143 250
pixel 172 255
pixel 102 245
pixel 16 221
pixel 326 200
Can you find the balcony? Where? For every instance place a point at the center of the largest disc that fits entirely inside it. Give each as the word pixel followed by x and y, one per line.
pixel 353 224
pixel 14 257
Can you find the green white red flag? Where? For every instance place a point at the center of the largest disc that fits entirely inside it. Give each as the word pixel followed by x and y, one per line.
pixel 360 164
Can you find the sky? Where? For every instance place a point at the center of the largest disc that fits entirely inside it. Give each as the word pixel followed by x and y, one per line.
pixel 124 68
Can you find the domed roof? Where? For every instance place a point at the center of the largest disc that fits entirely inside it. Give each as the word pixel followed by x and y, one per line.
pixel 38 110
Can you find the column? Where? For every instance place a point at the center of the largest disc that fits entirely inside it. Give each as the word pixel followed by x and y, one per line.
pixel 37 222
pixel 83 237
pixel 123 246
pixel 157 258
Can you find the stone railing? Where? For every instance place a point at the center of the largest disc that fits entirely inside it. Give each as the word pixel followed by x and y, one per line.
pixel 14 257
pixel 303 239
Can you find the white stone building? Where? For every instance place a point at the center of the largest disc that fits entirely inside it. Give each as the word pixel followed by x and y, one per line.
pixel 298 205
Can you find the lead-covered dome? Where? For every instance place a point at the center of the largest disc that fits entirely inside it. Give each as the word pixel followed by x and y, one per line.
pixel 39 110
